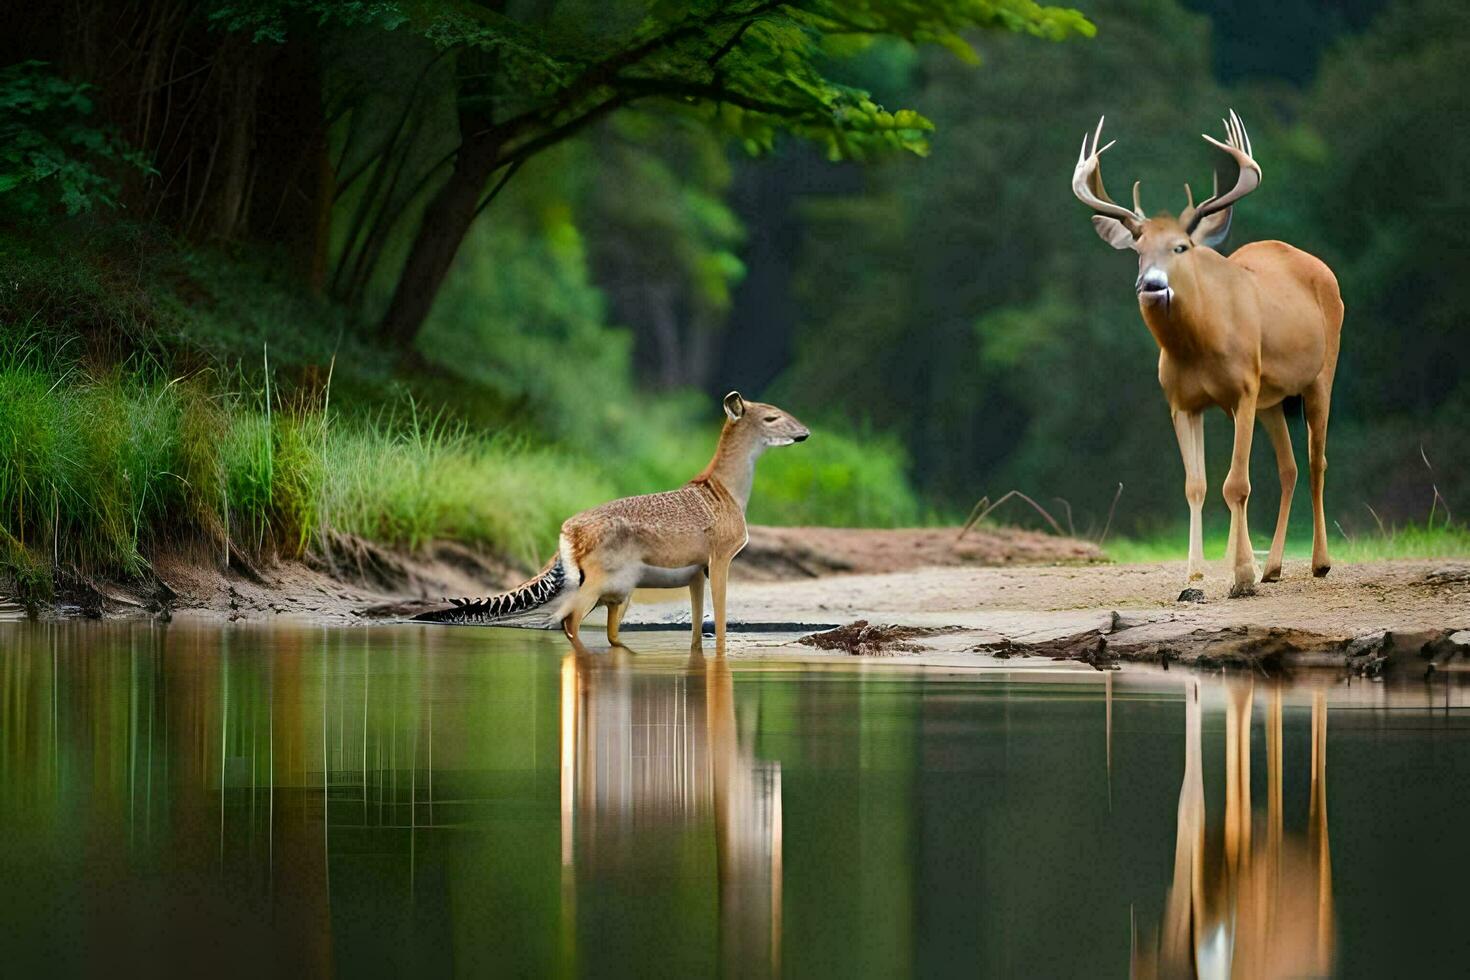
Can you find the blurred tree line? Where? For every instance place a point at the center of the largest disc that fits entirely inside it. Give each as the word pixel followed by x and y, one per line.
pixel 572 204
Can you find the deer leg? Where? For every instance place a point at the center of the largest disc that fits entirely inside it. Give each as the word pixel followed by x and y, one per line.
pixel 1237 492
pixel 586 600
pixel 1317 400
pixel 1273 419
pixel 719 577
pixel 1189 429
pixel 571 626
pixel 615 613
pixel 696 611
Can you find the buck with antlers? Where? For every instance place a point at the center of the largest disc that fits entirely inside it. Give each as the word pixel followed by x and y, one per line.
pixel 1243 333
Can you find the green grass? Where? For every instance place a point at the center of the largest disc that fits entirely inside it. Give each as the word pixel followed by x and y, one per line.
pixel 96 473
pixel 1440 540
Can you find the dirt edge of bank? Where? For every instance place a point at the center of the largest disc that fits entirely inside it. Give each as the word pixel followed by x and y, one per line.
pixel 346 578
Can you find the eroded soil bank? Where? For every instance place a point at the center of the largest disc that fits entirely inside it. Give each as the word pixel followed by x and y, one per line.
pixel 347 580
pixel 995 595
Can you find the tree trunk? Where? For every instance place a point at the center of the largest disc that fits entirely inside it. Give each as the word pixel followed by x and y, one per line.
pixel 445 222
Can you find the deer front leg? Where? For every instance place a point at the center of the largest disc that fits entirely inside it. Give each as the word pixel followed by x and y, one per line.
pixel 1237 492
pixel 696 611
pixel 1273 419
pixel 719 577
pixel 1189 428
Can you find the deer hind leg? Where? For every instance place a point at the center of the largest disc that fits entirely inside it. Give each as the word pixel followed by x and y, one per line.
pixel 696 611
pixel 1273 419
pixel 1189 428
pixel 1317 400
pixel 589 593
pixel 1237 492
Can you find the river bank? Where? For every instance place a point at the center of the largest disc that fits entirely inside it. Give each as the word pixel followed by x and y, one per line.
pixel 1373 618
pixel 996 595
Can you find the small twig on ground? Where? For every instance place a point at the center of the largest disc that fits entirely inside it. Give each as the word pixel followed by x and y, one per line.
pixel 1438 499
pixel 984 507
pixel 1071 528
pixel 1381 529
pixel 980 505
pixel 1109 523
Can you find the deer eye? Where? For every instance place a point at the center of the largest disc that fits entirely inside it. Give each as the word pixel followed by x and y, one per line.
pixel 1180 248
pixel 772 418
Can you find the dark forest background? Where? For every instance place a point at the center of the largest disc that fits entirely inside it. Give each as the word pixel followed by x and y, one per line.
pixel 577 223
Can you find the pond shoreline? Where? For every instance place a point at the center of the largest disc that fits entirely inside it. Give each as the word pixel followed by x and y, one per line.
pixel 1002 597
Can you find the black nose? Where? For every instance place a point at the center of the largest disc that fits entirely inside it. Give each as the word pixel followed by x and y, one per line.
pixel 1152 281
pixel 802 437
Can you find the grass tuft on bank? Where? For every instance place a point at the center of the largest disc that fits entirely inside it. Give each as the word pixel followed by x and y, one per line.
pixel 1440 539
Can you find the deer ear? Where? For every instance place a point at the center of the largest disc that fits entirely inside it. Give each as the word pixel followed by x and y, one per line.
pixel 1213 229
pixel 1113 231
pixel 734 406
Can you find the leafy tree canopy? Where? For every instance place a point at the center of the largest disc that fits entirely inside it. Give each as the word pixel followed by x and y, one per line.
pixel 752 67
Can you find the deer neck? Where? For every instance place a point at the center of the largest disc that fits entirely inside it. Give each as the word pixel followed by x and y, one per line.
pixel 733 464
pixel 1185 327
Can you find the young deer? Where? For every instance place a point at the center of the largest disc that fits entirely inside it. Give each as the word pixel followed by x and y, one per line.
pixel 658 540
pixel 1242 333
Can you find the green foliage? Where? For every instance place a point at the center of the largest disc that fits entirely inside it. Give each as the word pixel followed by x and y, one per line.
pixel 51 152
pixel 268 21
pixel 520 317
pixel 837 480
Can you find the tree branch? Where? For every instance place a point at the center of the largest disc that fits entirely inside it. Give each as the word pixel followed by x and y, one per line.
pixel 675 89
pixel 605 71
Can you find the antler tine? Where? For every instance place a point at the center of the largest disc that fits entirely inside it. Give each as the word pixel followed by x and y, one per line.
pixel 1248 173
pixel 1087 183
pixel 1245 137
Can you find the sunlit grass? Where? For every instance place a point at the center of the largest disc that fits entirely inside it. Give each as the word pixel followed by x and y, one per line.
pixel 96 473
pixel 1441 540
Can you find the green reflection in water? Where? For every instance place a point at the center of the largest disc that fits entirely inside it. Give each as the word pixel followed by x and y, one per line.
pixel 469 801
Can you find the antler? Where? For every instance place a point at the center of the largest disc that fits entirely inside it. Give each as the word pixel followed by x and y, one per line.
pixel 1088 186
pixel 1247 178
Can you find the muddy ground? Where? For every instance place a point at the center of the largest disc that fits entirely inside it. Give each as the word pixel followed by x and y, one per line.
pixel 994 594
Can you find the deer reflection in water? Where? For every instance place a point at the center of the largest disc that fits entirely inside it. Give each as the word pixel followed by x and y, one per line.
pixel 1256 905
pixel 654 753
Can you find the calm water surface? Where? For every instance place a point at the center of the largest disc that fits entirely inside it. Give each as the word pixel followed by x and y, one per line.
pixel 210 801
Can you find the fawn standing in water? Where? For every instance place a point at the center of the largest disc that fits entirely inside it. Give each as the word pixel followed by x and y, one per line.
pixel 657 540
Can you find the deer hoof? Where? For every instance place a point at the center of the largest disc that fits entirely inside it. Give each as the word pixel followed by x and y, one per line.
pixel 1241 590
pixel 1321 571
pixel 1192 594
pixel 1272 574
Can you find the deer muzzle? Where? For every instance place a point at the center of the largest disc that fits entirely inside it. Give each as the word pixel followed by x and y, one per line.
pixel 1153 287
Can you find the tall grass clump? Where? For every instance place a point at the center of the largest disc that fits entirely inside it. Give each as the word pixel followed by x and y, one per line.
pixel 87 466
pixel 99 472
pixel 406 480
